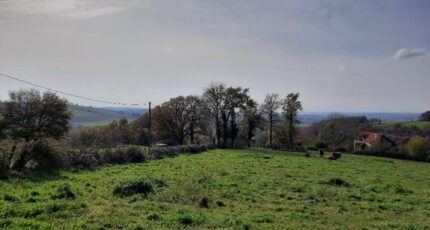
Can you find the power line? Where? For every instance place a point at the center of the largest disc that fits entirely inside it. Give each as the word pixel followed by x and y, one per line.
pixel 68 94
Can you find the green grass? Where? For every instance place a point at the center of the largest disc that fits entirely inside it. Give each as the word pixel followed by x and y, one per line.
pixel 418 124
pixel 244 189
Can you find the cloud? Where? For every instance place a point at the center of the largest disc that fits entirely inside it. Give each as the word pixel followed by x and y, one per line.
pixel 409 53
pixel 64 8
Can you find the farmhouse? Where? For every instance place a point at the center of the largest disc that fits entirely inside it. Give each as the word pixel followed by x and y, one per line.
pixel 370 141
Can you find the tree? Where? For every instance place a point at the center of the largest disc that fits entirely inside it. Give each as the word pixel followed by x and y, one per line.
pixel 269 108
pixel 31 116
pixel 123 131
pixel 252 119
pixel 223 104
pixel 214 97
pixel 197 111
pixel 235 99
pixel 291 107
pixel 425 116
pixel 139 133
pixel 174 117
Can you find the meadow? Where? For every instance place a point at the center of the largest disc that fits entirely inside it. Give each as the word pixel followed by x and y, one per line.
pixel 225 189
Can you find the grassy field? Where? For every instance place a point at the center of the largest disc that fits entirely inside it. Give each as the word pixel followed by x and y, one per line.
pixel 243 189
pixel 418 124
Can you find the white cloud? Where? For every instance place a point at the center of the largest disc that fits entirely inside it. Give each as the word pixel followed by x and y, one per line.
pixel 409 53
pixel 64 8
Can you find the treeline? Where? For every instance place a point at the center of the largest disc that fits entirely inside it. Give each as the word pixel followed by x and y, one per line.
pixel 223 115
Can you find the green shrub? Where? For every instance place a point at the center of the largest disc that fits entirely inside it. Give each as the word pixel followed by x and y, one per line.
pixel 130 188
pixel 10 198
pixel 115 156
pixel 154 217
pixel 64 192
pixel 134 154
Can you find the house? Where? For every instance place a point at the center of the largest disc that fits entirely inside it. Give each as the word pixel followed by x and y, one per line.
pixel 370 141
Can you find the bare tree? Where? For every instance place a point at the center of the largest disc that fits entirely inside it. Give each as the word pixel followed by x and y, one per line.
pixel 269 108
pixel 214 97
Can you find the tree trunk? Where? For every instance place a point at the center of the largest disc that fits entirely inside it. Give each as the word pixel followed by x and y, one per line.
pixel 192 134
pixel 270 130
pixel 233 127
pixel 218 132
pixel 290 133
pixel 250 128
pixel 225 130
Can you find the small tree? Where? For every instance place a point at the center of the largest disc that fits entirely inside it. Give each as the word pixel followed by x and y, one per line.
pixel 418 147
pixel 32 117
pixel 291 108
pixel 425 116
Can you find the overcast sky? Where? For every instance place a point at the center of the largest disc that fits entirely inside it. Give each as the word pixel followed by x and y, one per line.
pixel 363 56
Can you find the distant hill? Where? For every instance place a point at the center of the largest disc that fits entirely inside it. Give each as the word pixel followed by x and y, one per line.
pixel 86 116
pixel 308 118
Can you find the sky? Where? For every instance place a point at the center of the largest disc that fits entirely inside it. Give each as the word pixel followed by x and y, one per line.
pixel 344 56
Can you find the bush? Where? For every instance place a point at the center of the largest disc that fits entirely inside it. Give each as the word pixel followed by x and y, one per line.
pixel 4 162
pixel 64 192
pixel 418 147
pixel 134 154
pixel 83 159
pixel 121 155
pixel 10 198
pixel 161 152
pixel 130 188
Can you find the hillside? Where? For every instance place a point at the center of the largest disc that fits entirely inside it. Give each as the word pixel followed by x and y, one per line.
pixel 226 189
pixel 418 124
pixel 92 116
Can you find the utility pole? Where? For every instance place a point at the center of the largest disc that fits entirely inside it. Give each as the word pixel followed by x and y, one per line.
pixel 149 125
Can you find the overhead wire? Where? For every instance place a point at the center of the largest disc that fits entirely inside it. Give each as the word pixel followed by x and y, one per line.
pixel 69 94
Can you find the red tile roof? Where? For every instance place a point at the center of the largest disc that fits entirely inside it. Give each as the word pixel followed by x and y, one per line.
pixel 369 137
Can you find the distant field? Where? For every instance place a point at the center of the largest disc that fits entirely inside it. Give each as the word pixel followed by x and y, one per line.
pixel 245 189
pixel 94 117
pixel 418 124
